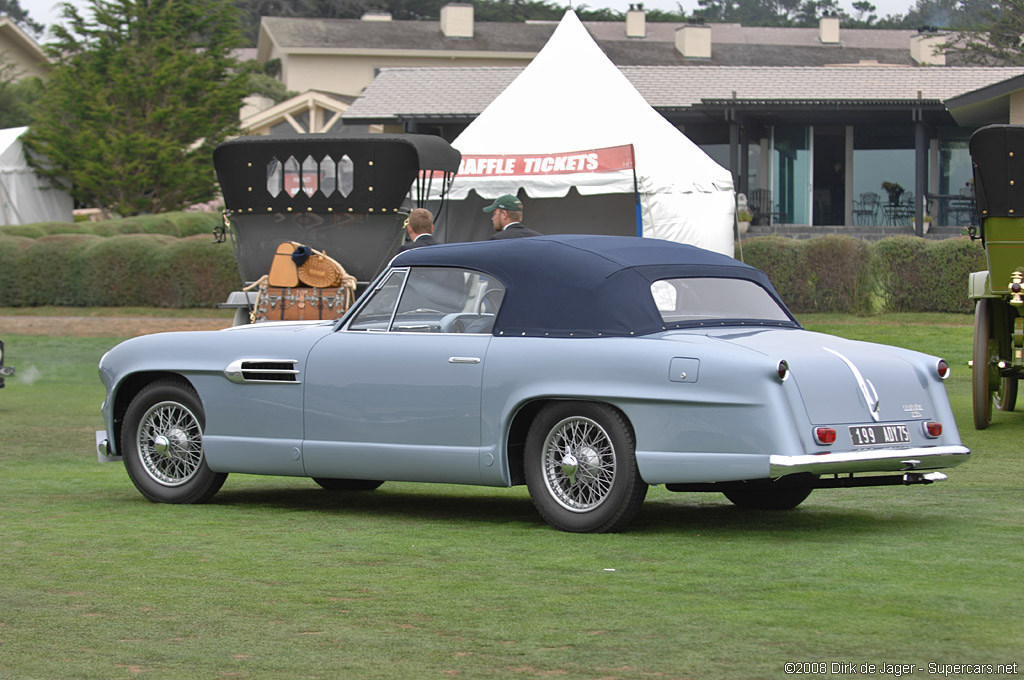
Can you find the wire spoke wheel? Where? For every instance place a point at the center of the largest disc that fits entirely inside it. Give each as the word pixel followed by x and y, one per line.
pixel 162 443
pixel 580 467
pixel 579 464
pixel 170 443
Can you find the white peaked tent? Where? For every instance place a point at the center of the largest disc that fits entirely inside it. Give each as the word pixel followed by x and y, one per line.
pixel 572 127
pixel 25 197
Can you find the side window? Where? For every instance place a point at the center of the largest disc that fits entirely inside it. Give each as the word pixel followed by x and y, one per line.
pixel 376 314
pixel 434 300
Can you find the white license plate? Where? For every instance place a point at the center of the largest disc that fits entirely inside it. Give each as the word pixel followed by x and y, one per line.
pixel 879 435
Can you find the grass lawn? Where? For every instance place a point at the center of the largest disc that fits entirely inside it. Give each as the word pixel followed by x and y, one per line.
pixel 277 578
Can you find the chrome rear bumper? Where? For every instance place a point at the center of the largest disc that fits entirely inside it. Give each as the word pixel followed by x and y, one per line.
pixel 872 460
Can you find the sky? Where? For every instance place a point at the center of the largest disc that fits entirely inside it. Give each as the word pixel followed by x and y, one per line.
pixel 46 11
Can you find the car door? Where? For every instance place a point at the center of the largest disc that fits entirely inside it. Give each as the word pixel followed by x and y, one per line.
pixel 395 393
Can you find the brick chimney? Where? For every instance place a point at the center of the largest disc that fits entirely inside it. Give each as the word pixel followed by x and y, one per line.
pixel 457 20
pixel 694 40
pixel 828 29
pixel 636 21
pixel 924 47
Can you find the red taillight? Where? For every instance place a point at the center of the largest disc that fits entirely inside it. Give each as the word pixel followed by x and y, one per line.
pixel 942 368
pixel 824 436
pixel 933 429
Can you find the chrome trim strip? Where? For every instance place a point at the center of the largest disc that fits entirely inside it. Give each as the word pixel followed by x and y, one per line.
pixel 236 370
pixel 873 460
pixel 870 398
pixel 463 360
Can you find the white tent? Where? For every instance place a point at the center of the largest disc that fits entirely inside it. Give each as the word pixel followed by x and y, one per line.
pixel 572 125
pixel 25 197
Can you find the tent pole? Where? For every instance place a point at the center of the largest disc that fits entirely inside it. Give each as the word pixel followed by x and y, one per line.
pixel 636 202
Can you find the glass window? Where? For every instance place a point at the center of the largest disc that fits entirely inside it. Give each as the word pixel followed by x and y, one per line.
pixel 346 175
pixel 955 169
pixel 791 164
pixel 376 313
pixel 310 176
pixel 328 176
pixel 433 300
pixel 884 155
pixel 682 301
pixel 274 174
pixel 291 176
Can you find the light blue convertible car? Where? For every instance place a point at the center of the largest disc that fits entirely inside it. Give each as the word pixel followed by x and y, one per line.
pixel 586 367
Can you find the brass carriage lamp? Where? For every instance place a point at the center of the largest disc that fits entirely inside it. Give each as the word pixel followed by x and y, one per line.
pixel 1016 287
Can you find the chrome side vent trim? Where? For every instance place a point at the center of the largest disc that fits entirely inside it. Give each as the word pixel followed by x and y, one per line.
pixel 262 371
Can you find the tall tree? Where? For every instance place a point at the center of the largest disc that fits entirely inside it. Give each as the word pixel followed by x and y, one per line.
pixel 992 36
pixel 18 96
pixel 139 96
pixel 14 11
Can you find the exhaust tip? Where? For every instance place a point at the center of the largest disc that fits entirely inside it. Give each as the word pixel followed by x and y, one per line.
pixel 923 478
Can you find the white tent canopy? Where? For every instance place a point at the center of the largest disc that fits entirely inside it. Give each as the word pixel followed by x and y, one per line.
pixel 25 197
pixel 572 112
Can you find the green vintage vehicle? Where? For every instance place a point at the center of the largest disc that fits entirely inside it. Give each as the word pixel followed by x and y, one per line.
pixel 997 152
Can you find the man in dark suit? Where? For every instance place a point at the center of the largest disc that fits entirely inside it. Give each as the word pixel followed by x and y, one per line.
pixel 506 216
pixel 420 227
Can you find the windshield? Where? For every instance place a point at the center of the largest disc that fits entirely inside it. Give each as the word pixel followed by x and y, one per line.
pixel 681 301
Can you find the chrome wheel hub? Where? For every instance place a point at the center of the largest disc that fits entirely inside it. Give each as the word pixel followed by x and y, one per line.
pixel 170 443
pixel 579 464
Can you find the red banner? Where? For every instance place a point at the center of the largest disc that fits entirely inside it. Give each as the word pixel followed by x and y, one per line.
pixel 609 159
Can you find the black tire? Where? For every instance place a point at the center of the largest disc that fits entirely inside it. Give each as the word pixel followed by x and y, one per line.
pixel 163 447
pixel 580 468
pixel 347 484
pixel 1005 398
pixel 785 498
pixel 982 380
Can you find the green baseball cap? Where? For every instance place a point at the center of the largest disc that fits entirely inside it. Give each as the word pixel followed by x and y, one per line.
pixel 506 202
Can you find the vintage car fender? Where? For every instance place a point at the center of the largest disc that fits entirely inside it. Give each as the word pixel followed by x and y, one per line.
pixel 978 288
pixel 680 425
pixel 203 359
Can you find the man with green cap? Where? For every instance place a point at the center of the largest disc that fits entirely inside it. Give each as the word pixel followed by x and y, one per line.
pixel 506 216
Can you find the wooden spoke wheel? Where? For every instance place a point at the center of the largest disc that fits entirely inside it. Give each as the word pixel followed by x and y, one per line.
pixel 990 390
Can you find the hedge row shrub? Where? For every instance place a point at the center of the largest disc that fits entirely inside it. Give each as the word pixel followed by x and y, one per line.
pixel 827 274
pixel 847 275
pixel 180 224
pixel 125 270
pixel 926 276
pixel 838 274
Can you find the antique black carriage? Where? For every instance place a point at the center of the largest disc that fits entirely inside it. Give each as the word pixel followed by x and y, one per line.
pixel 997 152
pixel 343 195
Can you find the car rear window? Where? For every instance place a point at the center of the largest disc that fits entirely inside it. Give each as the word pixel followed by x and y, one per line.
pixel 681 301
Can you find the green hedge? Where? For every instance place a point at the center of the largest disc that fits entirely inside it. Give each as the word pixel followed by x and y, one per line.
pixel 838 274
pixel 180 224
pixel 125 270
pixel 847 275
pixel 926 276
pixel 827 274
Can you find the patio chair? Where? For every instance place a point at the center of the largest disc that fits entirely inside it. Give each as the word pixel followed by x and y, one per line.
pixel 762 208
pixel 866 209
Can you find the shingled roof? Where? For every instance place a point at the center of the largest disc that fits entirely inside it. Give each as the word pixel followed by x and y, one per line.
pixel 733 44
pixel 464 92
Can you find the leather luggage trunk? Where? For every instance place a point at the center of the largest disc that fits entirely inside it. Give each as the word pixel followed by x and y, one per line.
pixel 301 304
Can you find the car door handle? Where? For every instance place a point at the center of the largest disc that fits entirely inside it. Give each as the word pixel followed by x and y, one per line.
pixel 463 360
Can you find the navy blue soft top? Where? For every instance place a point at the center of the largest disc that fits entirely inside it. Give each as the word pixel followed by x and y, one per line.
pixel 579 285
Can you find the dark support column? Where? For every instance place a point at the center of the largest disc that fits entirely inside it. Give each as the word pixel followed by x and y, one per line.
pixel 744 185
pixel 920 172
pixel 734 149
